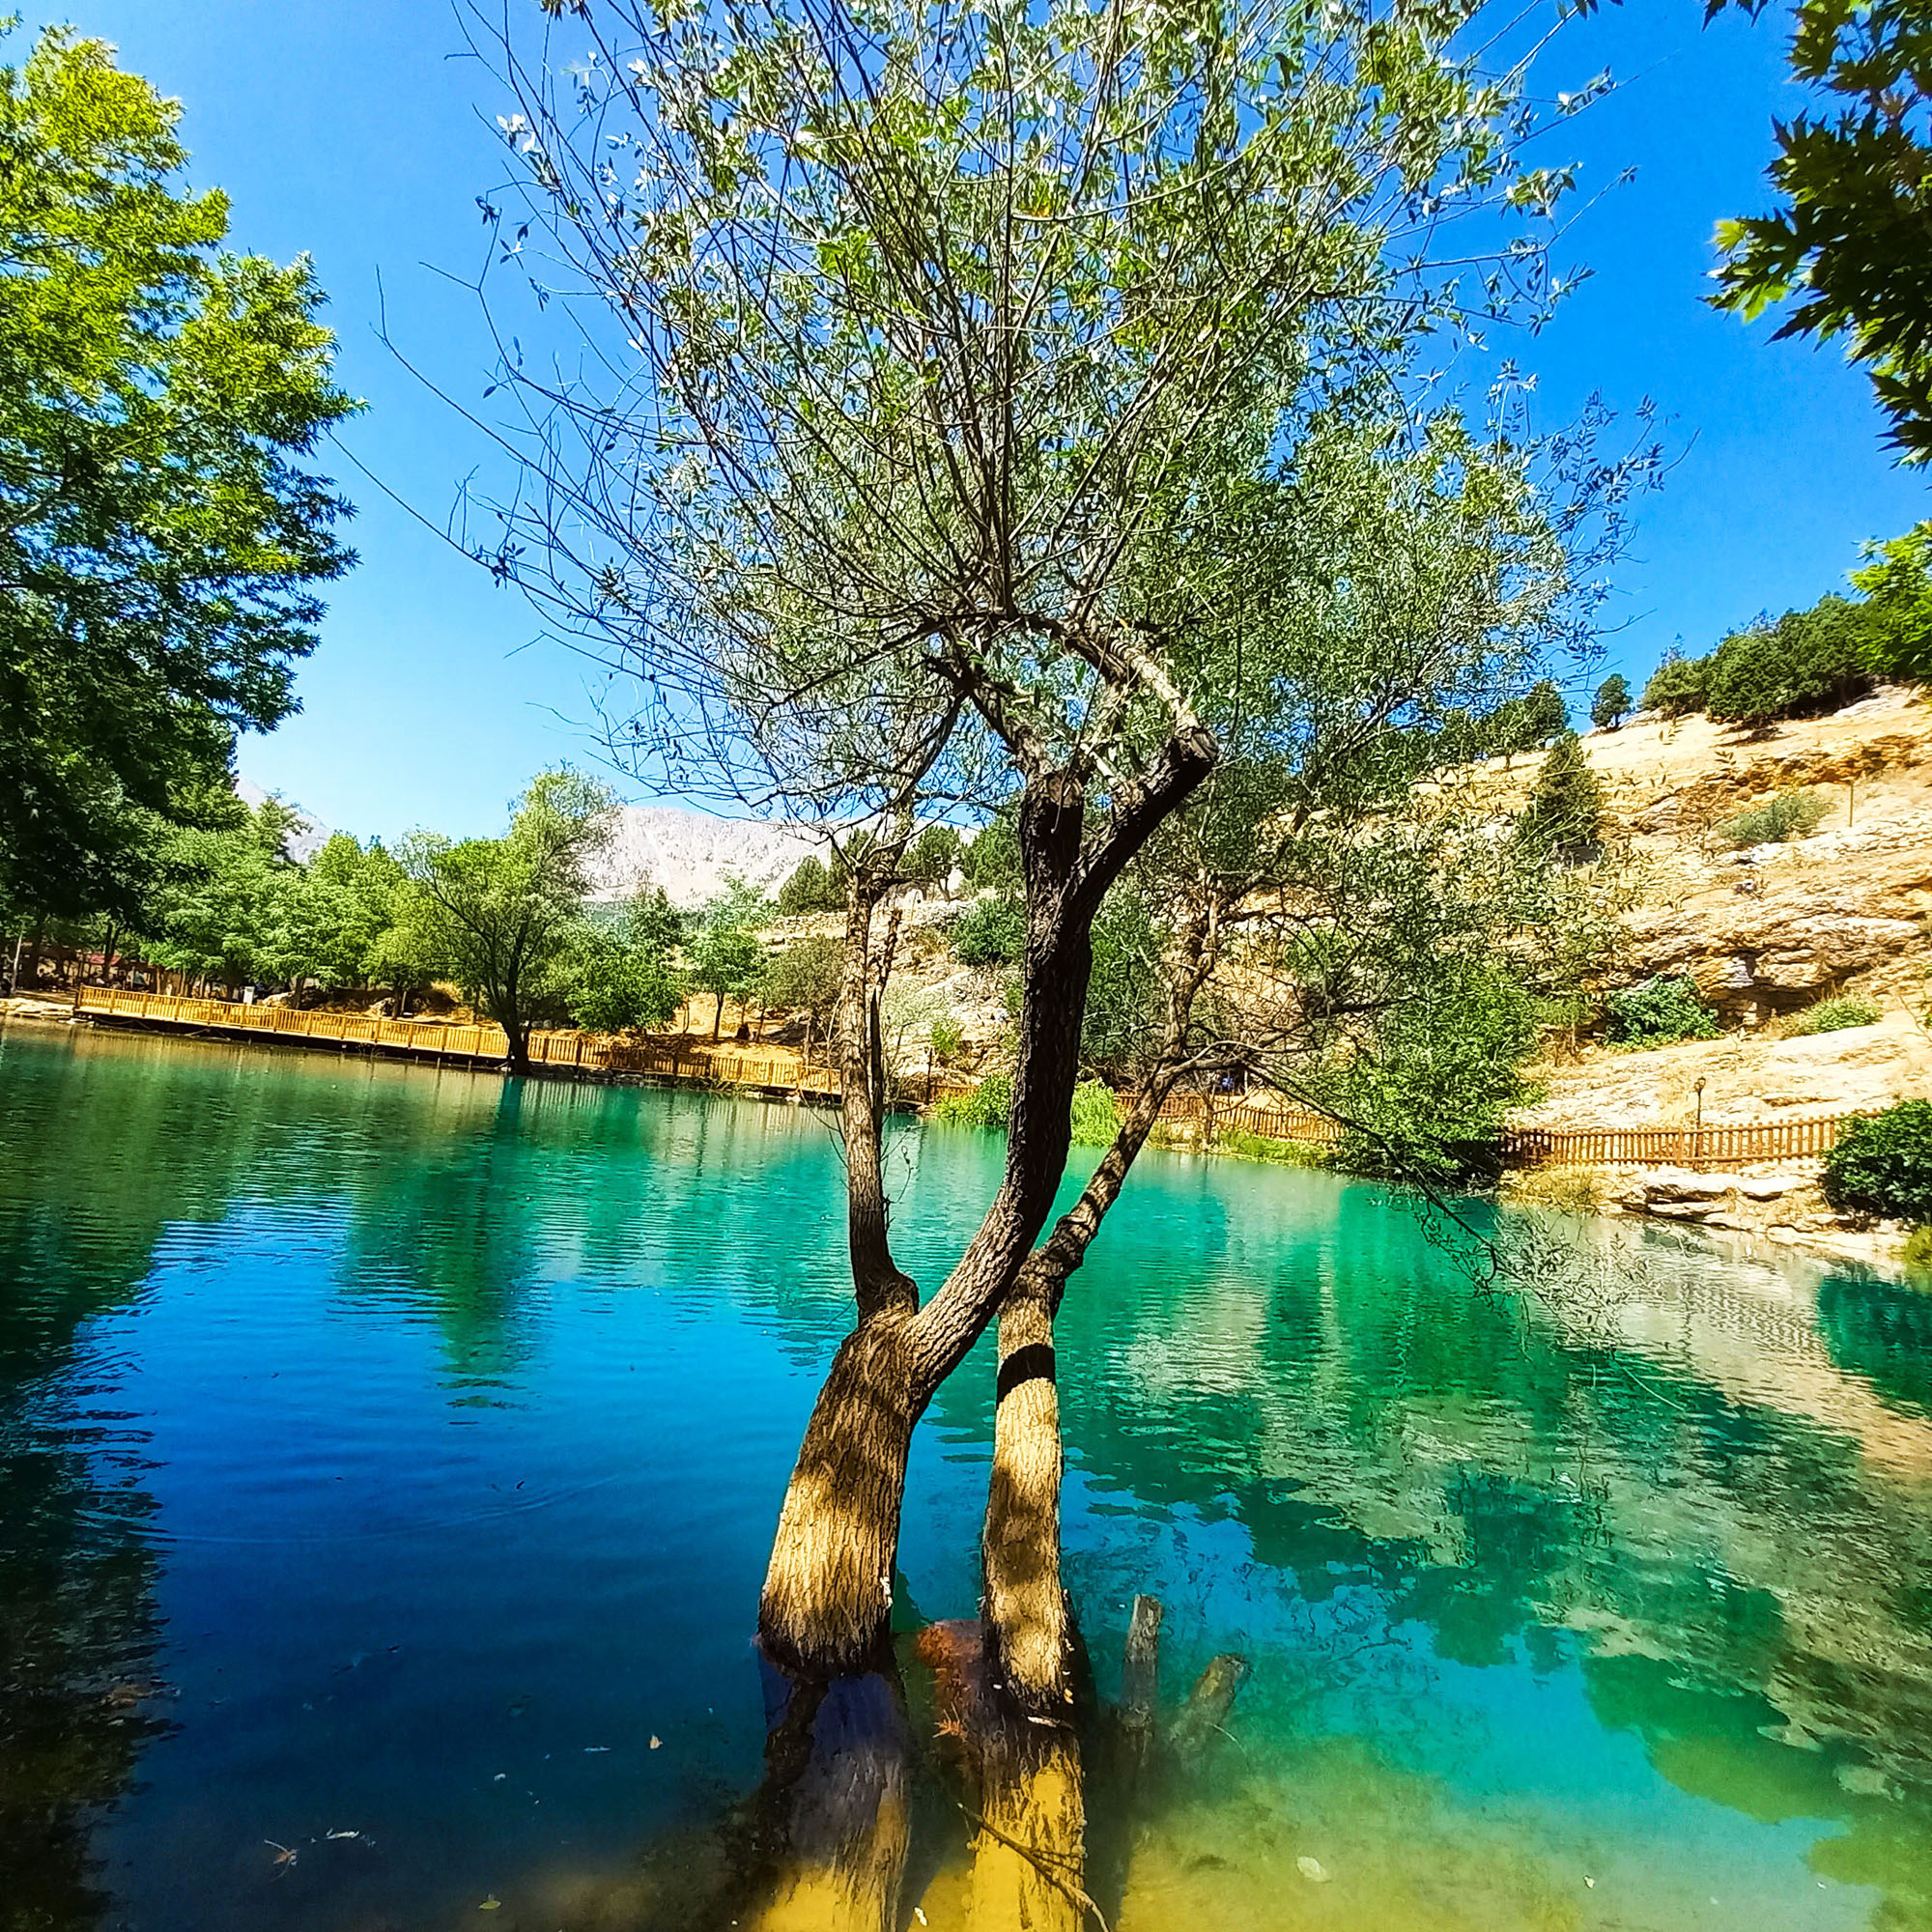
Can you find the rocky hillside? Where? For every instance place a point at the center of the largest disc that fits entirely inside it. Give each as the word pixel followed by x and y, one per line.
pixel 1766 931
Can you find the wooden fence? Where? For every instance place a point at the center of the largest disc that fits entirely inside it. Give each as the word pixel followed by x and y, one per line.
pixel 1251 1114
pixel 1676 1146
pixel 441 1041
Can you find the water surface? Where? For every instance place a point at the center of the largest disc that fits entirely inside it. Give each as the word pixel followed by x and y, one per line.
pixel 393 1453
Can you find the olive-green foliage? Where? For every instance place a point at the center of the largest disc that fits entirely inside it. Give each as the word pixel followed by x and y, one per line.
pixel 805 979
pixel 726 957
pixel 1246 1145
pixel 624 976
pixel 1660 1010
pixel 930 858
pixel 1791 814
pixel 1565 813
pixel 1807 662
pixel 1611 705
pixel 1676 686
pixel 507 912
pixel 1884 1165
pixel 1444 1071
pixel 1916 1255
pixel 1835 1016
pixel 1097 1118
pixel 162 537
pixel 986 1105
pixel 990 932
pixel 946 1040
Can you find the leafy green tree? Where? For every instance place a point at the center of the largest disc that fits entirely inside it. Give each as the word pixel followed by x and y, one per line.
pixel 931 857
pixel 1611 705
pixel 1676 686
pixel 162 538
pixel 991 859
pixel 728 957
pixel 625 978
pixel 504 912
pixel 1565 813
pixel 222 908
pixel 1807 662
pixel 805 979
pixel 1896 580
pixel 1845 246
pixel 1120 1024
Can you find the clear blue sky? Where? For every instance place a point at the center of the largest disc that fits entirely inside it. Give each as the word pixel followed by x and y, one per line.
pixel 352 128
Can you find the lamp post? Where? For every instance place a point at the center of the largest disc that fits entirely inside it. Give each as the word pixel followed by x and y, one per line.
pixel 1697 1142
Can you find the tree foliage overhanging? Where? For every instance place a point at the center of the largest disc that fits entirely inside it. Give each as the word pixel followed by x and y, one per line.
pixel 162 537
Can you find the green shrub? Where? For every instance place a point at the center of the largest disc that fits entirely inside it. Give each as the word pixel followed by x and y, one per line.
pixel 1835 1016
pixel 1791 814
pixel 1244 1146
pixel 1884 1165
pixel 1807 662
pixel 1918 1255
pixel 1096 1119
pixel 1676 686
pixel 1659 1011
pixel 946 1040
pixel 990 932
pixel 986 1105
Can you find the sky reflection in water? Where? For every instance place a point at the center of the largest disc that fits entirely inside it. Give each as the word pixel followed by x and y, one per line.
pixel 393 1454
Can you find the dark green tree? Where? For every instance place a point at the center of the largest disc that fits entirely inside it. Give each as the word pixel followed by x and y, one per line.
pixel 1807 662
pixel 624 978
pixel 162 537
pixel 1565 814
pixel 1676 686
pixel 1611 705
pixel 813 887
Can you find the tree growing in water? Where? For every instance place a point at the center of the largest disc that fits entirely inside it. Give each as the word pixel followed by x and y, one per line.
pixel 988 375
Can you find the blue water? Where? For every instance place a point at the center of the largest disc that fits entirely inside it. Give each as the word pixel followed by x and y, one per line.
pixel 393 1453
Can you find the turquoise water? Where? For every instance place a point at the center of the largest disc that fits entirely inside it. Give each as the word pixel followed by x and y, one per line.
pixel 393 1453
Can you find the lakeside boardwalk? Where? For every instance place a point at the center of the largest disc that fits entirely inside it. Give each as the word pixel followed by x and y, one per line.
pixel 477 1043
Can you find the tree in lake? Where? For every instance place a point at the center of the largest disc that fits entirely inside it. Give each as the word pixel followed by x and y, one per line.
pixel 987 372
pixel 162 532
pixel 504 913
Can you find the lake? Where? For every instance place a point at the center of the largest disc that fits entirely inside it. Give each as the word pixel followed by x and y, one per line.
pixel 388 1459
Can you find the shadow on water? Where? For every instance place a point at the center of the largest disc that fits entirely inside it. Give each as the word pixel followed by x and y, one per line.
pixel 424 1435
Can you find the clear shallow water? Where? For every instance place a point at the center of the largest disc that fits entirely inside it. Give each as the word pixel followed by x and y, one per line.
pixel 394 1453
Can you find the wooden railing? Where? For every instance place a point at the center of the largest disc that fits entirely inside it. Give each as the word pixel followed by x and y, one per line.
pixel 1675 1146
pixel 440 1039
pixel 1251 1114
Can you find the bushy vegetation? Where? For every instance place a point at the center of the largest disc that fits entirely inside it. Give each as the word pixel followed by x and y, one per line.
pixel 1884 1165
pixel 1097 1117
pixel 1806 661
pixel 1661 1011
pixel 1565 813
pixel 1676 686
pixel 990 932
pixel 1835 1016
pixel 1791 814
pixel 1246 1145
pixel 986 1105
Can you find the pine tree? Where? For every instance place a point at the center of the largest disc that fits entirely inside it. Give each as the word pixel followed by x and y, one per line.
pixel 1565 813
pixel 1611 705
